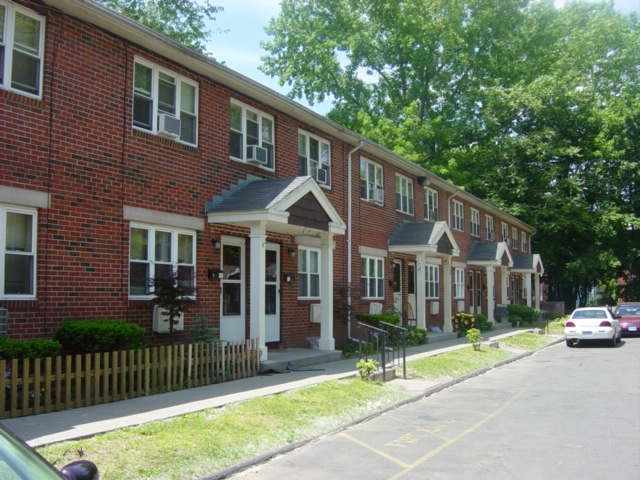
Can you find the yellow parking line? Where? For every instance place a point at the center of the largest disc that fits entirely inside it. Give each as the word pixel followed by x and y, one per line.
pixel 450 442
pixel 375 450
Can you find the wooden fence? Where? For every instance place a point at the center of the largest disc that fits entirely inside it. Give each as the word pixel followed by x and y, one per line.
pixel 33 386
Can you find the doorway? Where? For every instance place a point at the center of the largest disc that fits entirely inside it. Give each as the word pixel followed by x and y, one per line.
pixel 232 291
pixel 272 292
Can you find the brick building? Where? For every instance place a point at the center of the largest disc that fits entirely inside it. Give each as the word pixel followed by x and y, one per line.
pixel 125 156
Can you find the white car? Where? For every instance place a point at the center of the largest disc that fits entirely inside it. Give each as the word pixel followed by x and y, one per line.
pixel 592 323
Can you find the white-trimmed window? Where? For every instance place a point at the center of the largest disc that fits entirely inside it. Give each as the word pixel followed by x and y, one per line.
pixel 458 283
pixel 475 222
pixel 524 246
pixel 252 136
pixel 404 195
pixel 372 277
pixel 308 272
pixel 515 238
pixel 18 229
pixel 491 233
pixel 156 251
pixel 314 157
pixel 457 216
pixel 430 204
pixel 504 231
pixel 432 284
pixel 371 186
pixel 21 49
pixel 165 103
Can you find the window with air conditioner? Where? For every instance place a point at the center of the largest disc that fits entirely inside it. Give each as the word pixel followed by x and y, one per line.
pixel 371 186
pixel 21 49
pixel 314 157
pixel 404 195
pixel 251 137
pixel 17 252
pixel 165 103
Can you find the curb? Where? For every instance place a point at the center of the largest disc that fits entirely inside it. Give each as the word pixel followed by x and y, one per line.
pixel 265 457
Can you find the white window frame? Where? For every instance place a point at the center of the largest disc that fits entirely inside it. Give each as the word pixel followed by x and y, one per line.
pixel 307 253
pixel 432 282
pixel 458 283
pixel 431 204
pixel 404 195
pixel 491 232
pixel 371 181
pixel 9 46
pixel 153 97
pixel 457 215
pixel 151 260
pixel 4 251
pixel 515 238
pixel 475 222
pixel 263 119
pixel 504 232
pixel 307 164
pixel 369 278
pixel 524 247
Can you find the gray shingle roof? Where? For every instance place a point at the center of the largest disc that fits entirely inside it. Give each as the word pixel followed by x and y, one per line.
pixel 483 251
pixel 253 193
pixel 410 233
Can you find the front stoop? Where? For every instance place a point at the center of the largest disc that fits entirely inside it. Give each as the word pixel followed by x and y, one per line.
pixel 297 359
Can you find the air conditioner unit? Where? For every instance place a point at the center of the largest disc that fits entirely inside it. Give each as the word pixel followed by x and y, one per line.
pixel 168 126
pixel 322 176
pixel 375 308
pixel 257 155
pixel 435 308
pixel 161 321
pixel 378 195
pixel 314 312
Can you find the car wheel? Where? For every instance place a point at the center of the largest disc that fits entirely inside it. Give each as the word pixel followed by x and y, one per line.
pixel 570 342
pixel 614 340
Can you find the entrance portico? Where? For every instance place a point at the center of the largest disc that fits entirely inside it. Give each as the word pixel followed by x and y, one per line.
pixel 291 206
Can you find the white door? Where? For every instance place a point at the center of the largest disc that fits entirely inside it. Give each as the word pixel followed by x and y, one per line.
pixel 397 286
pixel 411 294
pixel 272 292
pixel 232 304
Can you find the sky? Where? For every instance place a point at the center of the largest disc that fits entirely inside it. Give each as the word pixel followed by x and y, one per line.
pixel 243 22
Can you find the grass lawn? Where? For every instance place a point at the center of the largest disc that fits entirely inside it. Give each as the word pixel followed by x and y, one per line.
pixel 199 443
pixel 525 341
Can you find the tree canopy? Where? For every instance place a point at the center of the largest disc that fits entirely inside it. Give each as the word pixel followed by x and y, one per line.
pixel 181 20
pixel 532 107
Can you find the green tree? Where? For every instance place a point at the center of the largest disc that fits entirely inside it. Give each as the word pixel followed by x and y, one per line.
pixel 532 107
pixel 181 20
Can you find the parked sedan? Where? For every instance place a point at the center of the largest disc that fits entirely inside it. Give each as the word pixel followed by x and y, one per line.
pixel 592 323
pixel 18 461
pixel 629 318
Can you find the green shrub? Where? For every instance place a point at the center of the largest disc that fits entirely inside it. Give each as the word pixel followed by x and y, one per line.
pixel 28 348
pixel 87 336
pixel 416 336
pixel 473 335
pixel 366 368
pixel 375 318
pixel 524 314
pixel 483 323
pixel 462 321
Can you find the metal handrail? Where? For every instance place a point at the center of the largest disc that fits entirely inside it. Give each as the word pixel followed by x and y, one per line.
pixel 384 334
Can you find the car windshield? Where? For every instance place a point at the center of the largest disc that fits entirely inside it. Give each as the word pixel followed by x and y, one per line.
pixel 18 462
pixel 590 314
pixel 629 310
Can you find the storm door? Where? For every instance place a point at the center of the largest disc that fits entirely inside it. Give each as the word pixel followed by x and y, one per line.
pixel 272 292
pixel 232 318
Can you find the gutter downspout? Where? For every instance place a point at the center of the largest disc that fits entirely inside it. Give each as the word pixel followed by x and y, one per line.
pixel 349 234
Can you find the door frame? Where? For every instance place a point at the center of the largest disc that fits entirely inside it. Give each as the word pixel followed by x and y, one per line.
pixel 272 321
pixel 233 327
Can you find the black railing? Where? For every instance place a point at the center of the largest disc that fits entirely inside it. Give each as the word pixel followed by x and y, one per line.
pixel 387 344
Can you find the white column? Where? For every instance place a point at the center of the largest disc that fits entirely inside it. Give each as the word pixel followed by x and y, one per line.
pixel 536 282
pixel 527 286
pixel 504 279
pixel 421 312
pixel 258 325
pixel 448 297
pixel 491 294
pixel 327 340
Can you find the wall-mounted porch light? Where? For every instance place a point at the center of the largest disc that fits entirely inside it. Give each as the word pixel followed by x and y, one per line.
pixel 288 277
pixel 215 242
pixel 214 273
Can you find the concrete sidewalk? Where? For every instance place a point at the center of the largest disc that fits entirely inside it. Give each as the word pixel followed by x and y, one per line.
pixel 54 427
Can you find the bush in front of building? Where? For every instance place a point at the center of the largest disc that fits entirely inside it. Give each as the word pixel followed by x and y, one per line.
pixel 416 336
pixel 463 321
pixel 482 323
pixel 11 348
pixel 99 335
pixel 523 314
